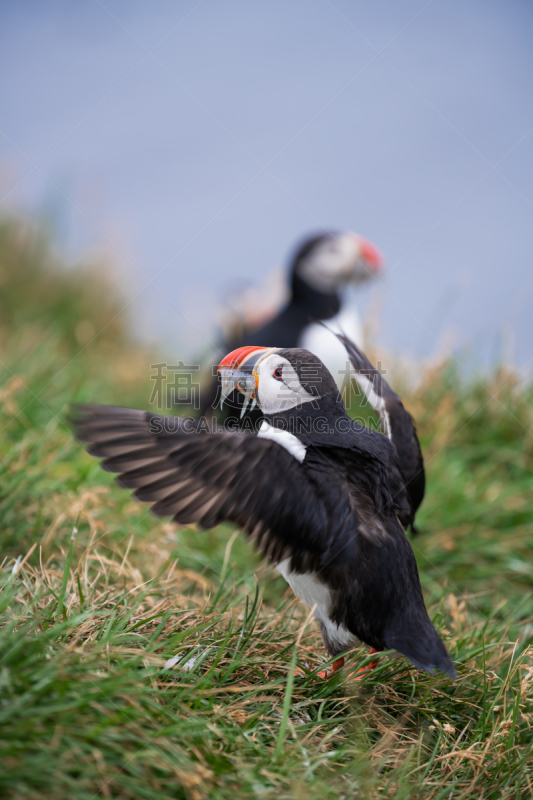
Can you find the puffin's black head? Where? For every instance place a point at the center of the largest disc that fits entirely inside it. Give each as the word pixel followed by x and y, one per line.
pixel 327 261
pixel 279 379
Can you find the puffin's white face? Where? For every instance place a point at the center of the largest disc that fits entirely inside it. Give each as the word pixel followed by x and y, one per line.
pixel 266 376
pixel 339 259
pixel 278 385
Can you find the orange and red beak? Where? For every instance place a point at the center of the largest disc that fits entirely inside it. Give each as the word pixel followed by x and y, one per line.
pixel 370 255
pixel 238 371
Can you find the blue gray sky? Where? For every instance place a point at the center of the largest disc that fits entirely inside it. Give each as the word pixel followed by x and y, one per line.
pixel 195 142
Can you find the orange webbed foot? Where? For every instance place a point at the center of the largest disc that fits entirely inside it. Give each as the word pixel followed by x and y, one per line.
pixel 335 667
pixel 338 664
pixel 359 674
pixel 323 674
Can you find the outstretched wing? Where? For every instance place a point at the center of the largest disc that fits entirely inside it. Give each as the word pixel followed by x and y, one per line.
pixel 397 422
pixel 209 478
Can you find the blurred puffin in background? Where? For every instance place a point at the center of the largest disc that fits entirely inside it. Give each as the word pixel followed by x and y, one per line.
pixel 321 267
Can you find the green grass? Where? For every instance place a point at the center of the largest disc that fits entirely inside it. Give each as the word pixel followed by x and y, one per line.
pixel 103 595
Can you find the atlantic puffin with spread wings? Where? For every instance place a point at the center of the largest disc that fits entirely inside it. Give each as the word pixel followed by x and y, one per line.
pixel 320 268
pixel 323 497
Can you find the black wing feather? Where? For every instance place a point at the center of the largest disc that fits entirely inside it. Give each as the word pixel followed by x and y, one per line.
pixel 210 478
pixel 397 421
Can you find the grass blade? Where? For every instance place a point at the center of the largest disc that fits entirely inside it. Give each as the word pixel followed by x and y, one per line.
pixel 286 706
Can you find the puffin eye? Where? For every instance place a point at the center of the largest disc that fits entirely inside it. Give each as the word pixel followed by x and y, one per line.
pixel 278 373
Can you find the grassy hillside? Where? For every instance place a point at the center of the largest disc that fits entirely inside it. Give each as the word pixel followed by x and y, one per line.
pixel 97 596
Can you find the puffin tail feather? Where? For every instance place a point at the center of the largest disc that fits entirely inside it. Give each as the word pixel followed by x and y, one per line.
pixel 424 648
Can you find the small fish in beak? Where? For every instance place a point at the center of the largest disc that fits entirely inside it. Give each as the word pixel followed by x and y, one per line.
pixel 238 371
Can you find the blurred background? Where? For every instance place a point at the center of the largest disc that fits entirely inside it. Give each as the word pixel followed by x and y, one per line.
pixel 192 144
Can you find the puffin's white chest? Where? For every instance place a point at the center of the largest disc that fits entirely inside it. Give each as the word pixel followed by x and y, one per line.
pixel 324 344
pixel 310 589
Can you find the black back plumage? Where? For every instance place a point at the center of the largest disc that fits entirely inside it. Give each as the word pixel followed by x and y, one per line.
pixel 381 602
